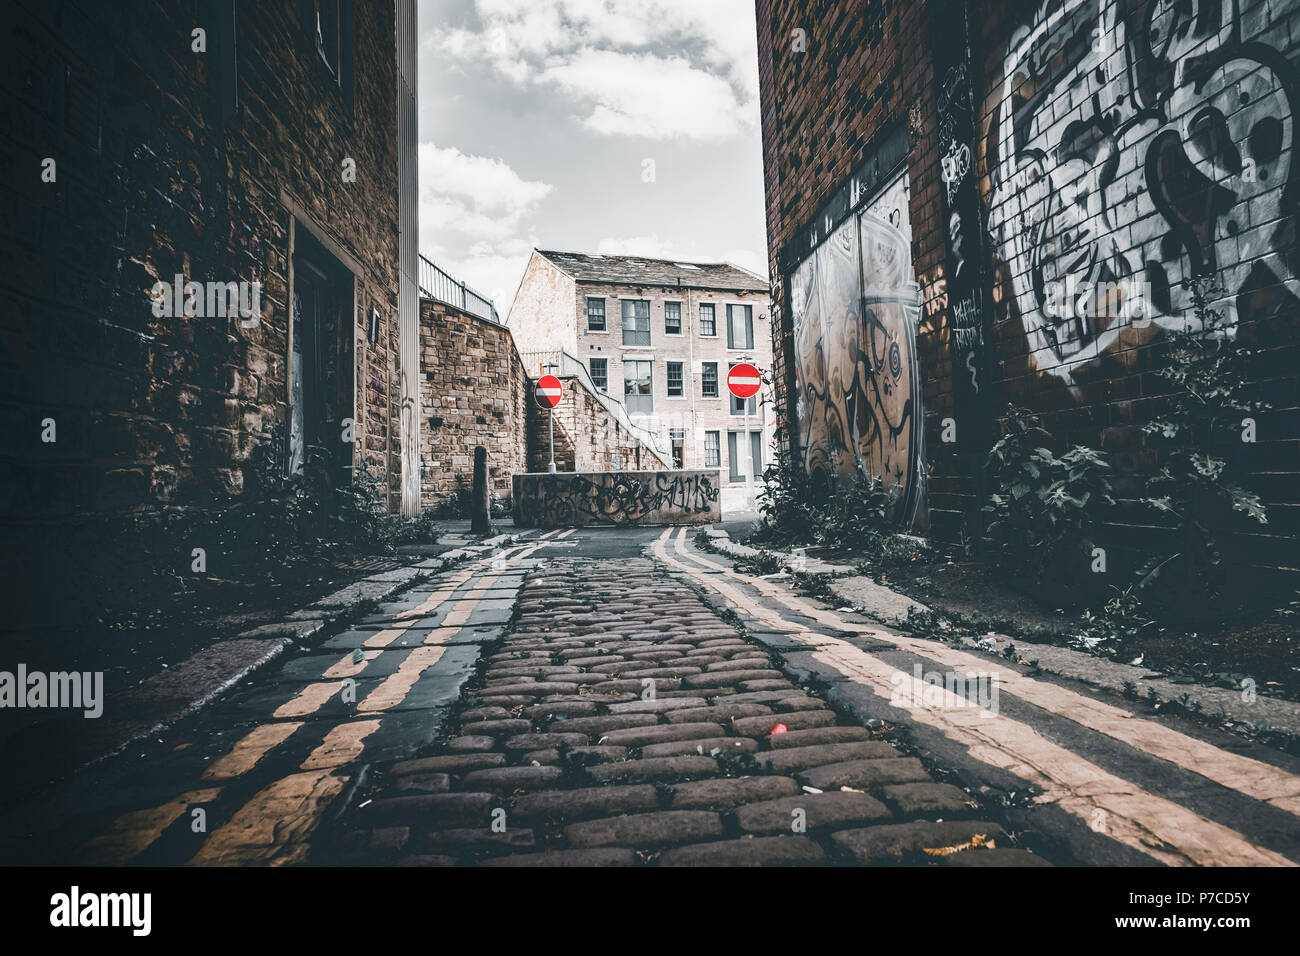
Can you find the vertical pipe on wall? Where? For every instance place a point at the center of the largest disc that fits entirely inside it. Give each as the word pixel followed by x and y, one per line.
pixel 408 294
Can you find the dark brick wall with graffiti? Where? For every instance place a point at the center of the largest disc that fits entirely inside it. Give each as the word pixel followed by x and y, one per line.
pixel 1086 158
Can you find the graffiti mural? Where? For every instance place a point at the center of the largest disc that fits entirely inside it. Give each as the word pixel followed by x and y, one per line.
pixel 569 499
pixel 965 250
pixel 856 304
pixel 1134 146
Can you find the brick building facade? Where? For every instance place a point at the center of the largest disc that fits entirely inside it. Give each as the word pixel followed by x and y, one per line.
pixel 1026 188
pixel 146 142
pixel 475 390
pixel 658 336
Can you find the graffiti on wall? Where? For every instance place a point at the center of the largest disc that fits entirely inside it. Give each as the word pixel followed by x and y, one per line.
pixel 569 499
pixel 1133 146
pixel 855 304
pixel 969 341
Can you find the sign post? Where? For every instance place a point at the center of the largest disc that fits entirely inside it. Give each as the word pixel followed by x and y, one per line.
pixel 548 394
pixel 744 381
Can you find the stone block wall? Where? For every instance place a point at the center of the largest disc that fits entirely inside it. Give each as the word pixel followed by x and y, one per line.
pixel 473 391
pixel 134 153
pixel 587 437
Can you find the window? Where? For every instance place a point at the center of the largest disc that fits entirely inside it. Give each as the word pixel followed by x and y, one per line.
pixel 708 319
pixel 636 321
pixel 740 326
pixel 595 315
pixel 327 33
pixel 673 318
pixel 637 394
pixel 677 438
pixel 712 450
pixel 600 373
pixel 709 379
pixel 738 456
pixel 675 389
pixel 738 404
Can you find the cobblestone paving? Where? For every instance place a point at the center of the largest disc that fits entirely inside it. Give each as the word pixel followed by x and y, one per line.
pixel 621 723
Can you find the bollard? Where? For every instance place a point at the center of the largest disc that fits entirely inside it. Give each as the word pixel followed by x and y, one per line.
pixel 479 517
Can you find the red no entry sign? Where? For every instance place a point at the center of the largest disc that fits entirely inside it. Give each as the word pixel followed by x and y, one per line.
pixel 744 380
pixel 549 391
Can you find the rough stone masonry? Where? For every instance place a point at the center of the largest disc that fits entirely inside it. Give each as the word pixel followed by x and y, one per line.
pixel 622 723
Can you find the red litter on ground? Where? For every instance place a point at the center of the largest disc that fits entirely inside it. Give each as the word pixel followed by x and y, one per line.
pixel 780 729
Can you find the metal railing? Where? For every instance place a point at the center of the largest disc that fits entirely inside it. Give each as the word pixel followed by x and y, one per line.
pixel 436 284
pixel 562 363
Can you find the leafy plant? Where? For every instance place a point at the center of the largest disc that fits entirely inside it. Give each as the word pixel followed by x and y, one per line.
pixel 764 562
pixel 857 515
pixel 785 500
pixel 1208 370
pixel 1113 631
pixel 813 585
pixel 1046 511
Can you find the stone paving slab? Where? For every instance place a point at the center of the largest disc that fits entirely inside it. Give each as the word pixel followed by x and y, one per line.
pixel 552 758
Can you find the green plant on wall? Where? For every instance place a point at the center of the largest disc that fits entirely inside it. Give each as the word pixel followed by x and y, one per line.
pixel 1045 511
pixel 857 515
pixel 1205 413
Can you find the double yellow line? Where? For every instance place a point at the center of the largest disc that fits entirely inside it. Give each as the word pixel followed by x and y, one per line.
pixel 1153 825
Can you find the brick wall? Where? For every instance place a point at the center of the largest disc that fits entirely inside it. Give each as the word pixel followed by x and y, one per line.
pixel 538 315
pixel 587 437
pixel 473 391
pixel 156 175
pixel 1141 131
pixel 152 181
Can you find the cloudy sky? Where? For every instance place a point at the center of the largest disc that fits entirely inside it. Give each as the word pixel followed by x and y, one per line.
pixel 588 126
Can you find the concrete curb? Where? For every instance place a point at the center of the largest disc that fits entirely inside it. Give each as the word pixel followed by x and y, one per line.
pixel 186 688
pixel 890 607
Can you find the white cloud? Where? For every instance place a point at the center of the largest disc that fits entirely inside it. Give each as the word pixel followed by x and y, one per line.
pixel 491 268
pixel 640 94
pixel 652 247
pixel 472 211
pixel 492 193
pixel 611 57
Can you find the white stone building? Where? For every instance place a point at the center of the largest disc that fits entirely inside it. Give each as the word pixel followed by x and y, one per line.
pixel 659 336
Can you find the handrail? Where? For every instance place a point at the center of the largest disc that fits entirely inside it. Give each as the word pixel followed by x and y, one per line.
pixel 437 284
pixel 570 365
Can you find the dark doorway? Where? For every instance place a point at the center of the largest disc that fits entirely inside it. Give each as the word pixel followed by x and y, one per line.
pixel 320 361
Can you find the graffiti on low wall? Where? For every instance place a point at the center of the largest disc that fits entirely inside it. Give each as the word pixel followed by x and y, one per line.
pixel 1135 145
pixel 569 499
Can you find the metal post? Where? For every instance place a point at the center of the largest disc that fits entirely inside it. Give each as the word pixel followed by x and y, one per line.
pixel 550 420
pixel 749 446
pixel 749 471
